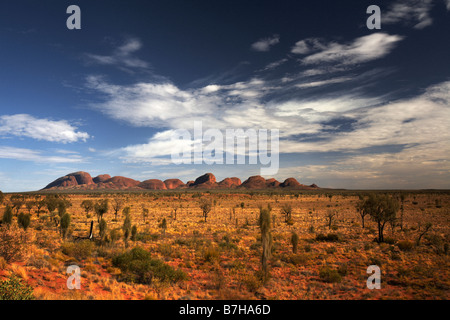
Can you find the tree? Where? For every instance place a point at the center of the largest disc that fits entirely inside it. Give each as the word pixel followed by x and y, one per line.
pixel 266 239
pixel 286 210
pixel 134 232
pixel 144 213
pixel 65 223
pixel 102 228
pixel 88 206
pixel 62 208
pixel 101 207
pixel 294 241
pixel 7 216
pixel 39 205
pixel 427 228
pixel 2 197
pixel 242 207
pixel 205 206
pixel 382 209
pixel 23 220
pixel 51 202
pixel 126 210
pixel 126 228
pixel 361 209
pixel 331 213
pixel 163 226
pixel 117 205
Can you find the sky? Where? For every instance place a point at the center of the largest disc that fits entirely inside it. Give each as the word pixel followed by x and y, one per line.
pixel 356 108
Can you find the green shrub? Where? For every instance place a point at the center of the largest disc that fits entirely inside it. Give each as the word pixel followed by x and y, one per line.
pixel 294 241
pixel 13 288
pixel 24 220
pixel 329 275
pixel 7 215
pixel 78 250
pixel 138 266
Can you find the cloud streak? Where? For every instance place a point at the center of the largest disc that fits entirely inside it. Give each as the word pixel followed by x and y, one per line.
pixel 360 50
pixel 122 56
pixel 264 45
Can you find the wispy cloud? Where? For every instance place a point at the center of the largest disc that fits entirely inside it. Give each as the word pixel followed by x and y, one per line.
pixel 23 154
pixel 24 125
pixel 410 12
pixel 323 82
pixel 265 44
pixel 360 50
pixel 122 56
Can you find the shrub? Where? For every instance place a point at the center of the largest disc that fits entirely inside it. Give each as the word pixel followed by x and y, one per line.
pixel 329 275
pixel 65 223
pixel 138 266
pixel 13 288
pixel 294 241
pixel 12 242
pixel 7 215
pixel 210 254
pixel 78 250
pixel 24 220
pixel 133 233
pixel 331 237
pixel 405 245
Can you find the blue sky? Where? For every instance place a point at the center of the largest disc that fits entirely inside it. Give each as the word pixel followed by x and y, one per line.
pixel 356 108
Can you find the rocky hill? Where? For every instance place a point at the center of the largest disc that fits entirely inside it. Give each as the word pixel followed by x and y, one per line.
pixel 83 181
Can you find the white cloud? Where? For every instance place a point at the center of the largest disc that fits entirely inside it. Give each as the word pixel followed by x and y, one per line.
pixel 323 82
pixel 122 56
pixel 24 125
pixel 415 12
pixel 448 4
pixel 23 154
pixel 360 50
pixel 420 122
pixel 307 45
pixel 265 44
pixel 274 65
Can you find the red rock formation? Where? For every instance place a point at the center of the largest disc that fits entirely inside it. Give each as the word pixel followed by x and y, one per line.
pixel 254 182
pixel 174 183
pixel 83 181
pixel 122 182
pixel 71 180
pixel 153 184
pixel 272 183
pixel 230 183
pixel 189 183
pixel 208 180
pixel 290 183
pixel 101 178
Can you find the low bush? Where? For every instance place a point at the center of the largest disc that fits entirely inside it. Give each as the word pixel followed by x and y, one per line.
pixel 14 288
pixel 78 250
pixel 405 245
pixel 330 275
pixel 138 266
pixel 331 237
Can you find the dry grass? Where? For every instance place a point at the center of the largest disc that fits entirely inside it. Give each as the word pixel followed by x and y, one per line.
pixel 222 256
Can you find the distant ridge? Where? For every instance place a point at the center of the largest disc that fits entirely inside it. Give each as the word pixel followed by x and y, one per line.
pixel 83 181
